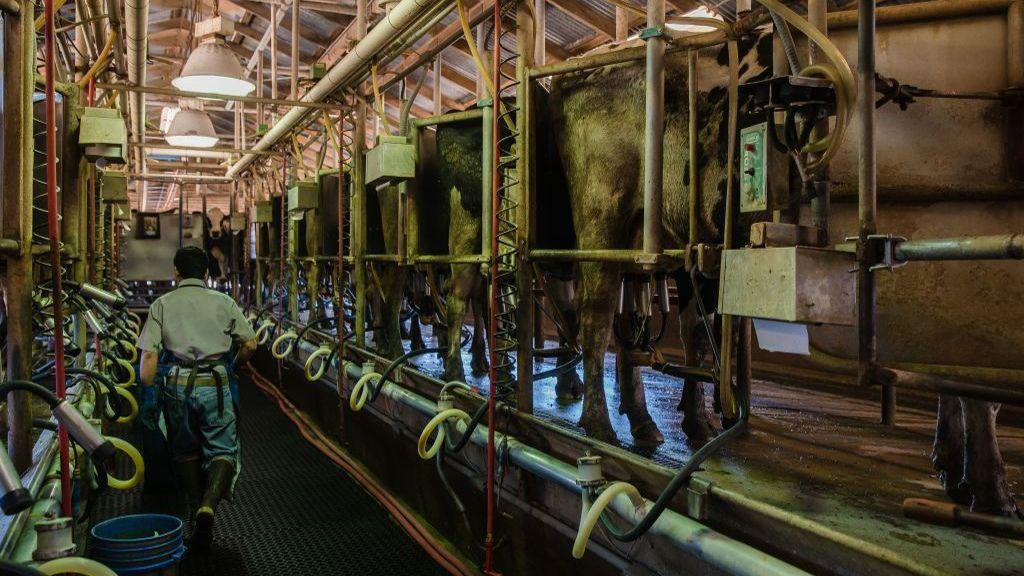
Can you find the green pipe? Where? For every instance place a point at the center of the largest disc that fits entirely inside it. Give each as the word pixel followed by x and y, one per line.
pixel 627 256
pixel 450 118
pixel 450 259
pixel 996 247
pixel 487 177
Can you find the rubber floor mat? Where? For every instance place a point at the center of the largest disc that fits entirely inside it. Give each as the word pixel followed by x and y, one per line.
pixel 294 512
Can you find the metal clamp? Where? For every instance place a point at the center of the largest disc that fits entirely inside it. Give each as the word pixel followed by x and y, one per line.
pixel 655 32
pixel 697 496
pixel 884 245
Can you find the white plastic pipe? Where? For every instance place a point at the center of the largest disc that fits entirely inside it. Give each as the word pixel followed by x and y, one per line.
pixel 352 66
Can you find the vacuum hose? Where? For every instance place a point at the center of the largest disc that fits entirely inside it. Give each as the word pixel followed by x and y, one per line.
pixel 594 513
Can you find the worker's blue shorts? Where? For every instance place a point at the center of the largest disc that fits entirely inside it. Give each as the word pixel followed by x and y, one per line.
pixel 195 426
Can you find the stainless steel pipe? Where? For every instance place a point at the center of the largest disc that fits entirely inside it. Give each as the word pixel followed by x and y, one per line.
pixel 996 247
pixel 354 64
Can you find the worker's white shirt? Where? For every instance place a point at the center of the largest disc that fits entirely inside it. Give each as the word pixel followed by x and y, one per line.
pixel 194 323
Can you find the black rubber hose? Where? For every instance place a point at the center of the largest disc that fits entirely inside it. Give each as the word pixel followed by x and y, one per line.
pixel 26 386
pixel 403 358
pixel 474 421
pixel 117 404
pixel 560 369
pixel 682 477
pixel 302 332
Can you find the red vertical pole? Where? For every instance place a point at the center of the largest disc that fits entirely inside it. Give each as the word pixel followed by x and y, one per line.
pixel 52 207
pixel 492 420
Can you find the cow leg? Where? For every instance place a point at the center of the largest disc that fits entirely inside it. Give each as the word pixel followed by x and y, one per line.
pixel 948 449
pixel 633 403
pixel 696 423
pixel 404 332
pixel 569 387
pixel 596 309
pixel 390 343
pixel 415 333
pixel 984 470
pixel 457 300
pixel 478 348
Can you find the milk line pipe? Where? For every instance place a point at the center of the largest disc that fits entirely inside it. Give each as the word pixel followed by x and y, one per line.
pixel 728 496
pixel 686 534
pixel 353 64
pixel 994 247
pixel 157 90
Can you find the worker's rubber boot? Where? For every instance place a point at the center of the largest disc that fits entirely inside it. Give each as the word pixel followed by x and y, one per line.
pixel 190 479
pixel 218 482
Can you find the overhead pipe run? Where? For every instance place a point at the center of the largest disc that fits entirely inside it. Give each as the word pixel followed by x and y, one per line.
pixel 136 31
pixel 354 64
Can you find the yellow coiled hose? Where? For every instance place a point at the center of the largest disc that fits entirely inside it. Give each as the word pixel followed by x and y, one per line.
pixel 289 337
pixel 435 424
pixel 129 369
pixel 361 391
pixel 75 565
pixel 591 513
pixel 320 352
pixel 130 398
pixel 136 458
pixel 133 352
pixel 838 73
pixel 263 332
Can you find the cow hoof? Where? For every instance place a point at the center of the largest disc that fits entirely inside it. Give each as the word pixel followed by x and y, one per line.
pixel 647 433
pixel 599 429
pixel 479 366
pixel 959 492
pixel 454 375
pixel 1008 509
pixel 569 389
pixel 698 429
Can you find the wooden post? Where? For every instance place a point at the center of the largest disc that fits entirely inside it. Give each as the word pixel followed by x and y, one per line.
pixel 525 317
pixel 19 86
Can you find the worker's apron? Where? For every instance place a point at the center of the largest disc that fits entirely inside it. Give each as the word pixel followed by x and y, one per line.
pixel 187 382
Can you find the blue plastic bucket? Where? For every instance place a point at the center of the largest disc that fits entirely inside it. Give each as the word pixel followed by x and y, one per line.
pixel 138 544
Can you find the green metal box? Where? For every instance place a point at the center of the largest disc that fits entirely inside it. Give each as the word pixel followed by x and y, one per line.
pixel 392 159
pixel 122 213
pixel 103 134
pixel 764 171
pixel 114 187
pixel 795 284
pixel 264 212
pixel 303 195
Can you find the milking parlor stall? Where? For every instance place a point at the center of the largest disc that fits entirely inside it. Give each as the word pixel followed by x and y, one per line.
pixel 722 287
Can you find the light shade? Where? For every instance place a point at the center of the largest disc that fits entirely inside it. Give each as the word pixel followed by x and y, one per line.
pixel 213 67
pixel 192 128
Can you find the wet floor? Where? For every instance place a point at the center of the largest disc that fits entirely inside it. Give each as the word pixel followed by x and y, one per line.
pixel 663 394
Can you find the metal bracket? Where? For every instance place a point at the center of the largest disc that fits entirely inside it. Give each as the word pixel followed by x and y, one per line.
pixel 885 247
pixel 697 494
pixel 655 32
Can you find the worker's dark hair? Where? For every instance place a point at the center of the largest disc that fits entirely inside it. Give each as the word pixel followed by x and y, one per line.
pixel 191 262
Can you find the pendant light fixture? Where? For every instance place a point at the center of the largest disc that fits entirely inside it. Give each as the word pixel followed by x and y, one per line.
pixel 192 129
pixel 212 67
